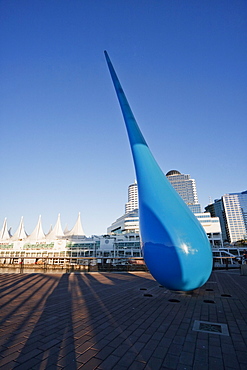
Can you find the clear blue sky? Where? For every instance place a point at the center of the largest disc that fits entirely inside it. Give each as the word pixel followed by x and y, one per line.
pixel 64 149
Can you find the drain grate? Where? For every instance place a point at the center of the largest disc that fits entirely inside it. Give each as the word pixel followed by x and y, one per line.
pixel 147 295
pixel 173 300
pixel 226 295
pixel 143 288
pixel 210 327
pixel 209 290
pixel 209 301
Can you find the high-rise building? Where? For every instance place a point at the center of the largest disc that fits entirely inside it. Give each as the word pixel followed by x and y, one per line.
pixel 243 204
pixel 132 198
pixel 232 212
pixel 129 222
pixel 186 188
pixel 216 209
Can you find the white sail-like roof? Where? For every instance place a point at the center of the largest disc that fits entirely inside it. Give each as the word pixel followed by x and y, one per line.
pixel 57 231
pixel 38 233
pixel 66 230
pixel 20 233
pixel 77 229
pixel 4 234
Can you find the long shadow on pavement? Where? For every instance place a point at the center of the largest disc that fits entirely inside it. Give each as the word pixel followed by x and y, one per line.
pixel 51 342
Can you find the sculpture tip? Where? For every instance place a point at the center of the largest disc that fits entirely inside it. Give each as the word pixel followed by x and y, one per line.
pixel 106 55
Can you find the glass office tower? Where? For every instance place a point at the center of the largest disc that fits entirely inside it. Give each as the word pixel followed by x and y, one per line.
pixel 132 198
pixel 232 212
pixel 186 188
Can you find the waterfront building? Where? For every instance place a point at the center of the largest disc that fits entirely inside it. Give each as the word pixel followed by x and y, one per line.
pixel 118 250
pixel 129 222
pixel 132 203
pixel 62 248
pixel 212 228
pixel 186 188
pixel 232 212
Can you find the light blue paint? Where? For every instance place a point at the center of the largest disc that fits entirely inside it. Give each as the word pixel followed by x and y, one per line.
pixel 175 246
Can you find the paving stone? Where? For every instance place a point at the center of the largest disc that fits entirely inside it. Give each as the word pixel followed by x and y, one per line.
pixel 8 366
pixel 215 351
pixel 121 350
pixel 7 359
pixel 144 355
pixel 136 365
pixel 242 357
pixel 175 349
pixel 189 347
pixel 48 345
pixel 154 363
pixel 25 357
pixel 214 341
pixel 160 352
pixel 186 358
pixel 151 344
pixel 201 355
pixel 202 343
pixel 200 365
pixel 215 363
pixel 84 347
pixel 48 360
pixel 183 367
pixel 227 349
pixel 47 325
pixel 165 342
pixel 109 362
pixel 136 347
pixel 126 359
pixel 116 342
pixel 92 364
pixel 178 339
pixel 105 352
pixel 231 360
pixel 30 364
pixel 171 361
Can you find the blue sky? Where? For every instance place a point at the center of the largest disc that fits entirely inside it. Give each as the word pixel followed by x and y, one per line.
pixel 63 143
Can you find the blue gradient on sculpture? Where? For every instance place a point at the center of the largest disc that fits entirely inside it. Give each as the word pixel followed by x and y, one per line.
pixel 175 247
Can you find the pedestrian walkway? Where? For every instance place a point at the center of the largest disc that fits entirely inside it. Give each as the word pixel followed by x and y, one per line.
pixel 121 321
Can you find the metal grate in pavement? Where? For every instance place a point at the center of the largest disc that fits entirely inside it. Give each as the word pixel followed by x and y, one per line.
pixel 173 300
pixel 210 327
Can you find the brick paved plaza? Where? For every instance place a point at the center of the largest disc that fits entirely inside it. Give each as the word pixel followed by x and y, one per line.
pixel 121 321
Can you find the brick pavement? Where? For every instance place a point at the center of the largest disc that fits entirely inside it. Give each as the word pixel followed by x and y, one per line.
pixel 120 321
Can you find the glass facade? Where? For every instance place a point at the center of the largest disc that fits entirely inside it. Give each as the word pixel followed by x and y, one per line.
pixel 232 212
pixel 186 188
pixel 234 216
pixel 132 203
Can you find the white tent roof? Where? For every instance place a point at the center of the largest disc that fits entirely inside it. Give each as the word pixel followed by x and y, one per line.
pixel 20 233
pixel 66 230
pixel 77 229
pixel 4 234
pixel 57 231
pixel 38 233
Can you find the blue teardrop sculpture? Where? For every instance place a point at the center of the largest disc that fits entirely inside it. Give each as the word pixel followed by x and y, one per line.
pixel 175 246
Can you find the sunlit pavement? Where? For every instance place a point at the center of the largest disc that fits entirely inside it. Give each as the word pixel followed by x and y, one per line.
pixel 121 321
